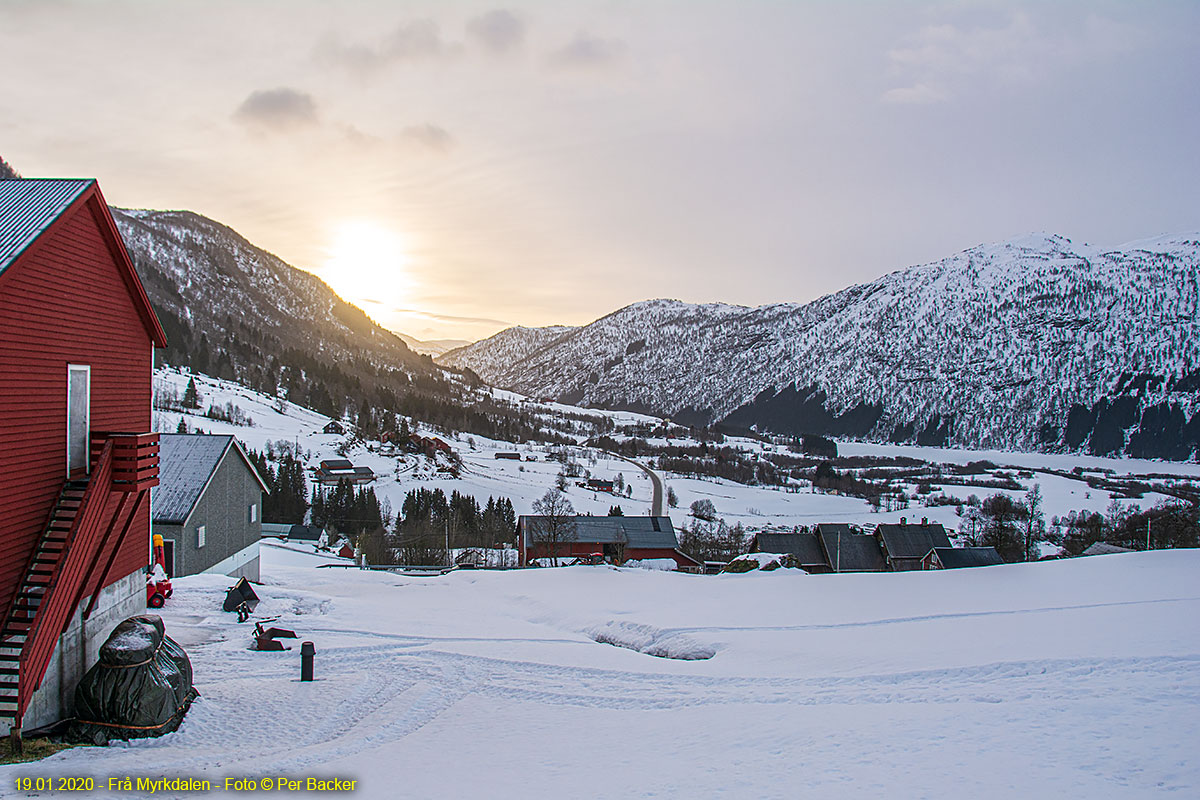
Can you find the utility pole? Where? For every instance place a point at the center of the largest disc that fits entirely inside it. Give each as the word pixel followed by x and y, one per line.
pixel 839 552
pixel 1147 533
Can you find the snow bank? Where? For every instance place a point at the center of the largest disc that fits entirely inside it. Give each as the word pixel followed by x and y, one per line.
pixel 651 641
pixel 659 564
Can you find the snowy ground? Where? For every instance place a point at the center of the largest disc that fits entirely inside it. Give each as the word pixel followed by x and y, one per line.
pixel 1075 678
pixel 755 507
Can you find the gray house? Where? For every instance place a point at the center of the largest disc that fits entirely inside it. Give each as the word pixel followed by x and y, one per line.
pixel 207 506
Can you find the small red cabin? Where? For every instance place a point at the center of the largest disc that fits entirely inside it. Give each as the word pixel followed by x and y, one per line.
pixel 77 458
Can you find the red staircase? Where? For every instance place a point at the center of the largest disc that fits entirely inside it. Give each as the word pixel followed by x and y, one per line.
pixel 39 575
pixel 63 567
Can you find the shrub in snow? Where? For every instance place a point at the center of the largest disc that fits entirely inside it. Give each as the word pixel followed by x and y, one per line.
pixel 764 561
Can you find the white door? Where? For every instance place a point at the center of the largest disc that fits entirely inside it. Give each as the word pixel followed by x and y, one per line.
pixel 79 403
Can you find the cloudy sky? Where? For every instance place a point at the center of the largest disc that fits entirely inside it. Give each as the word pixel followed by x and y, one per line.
pixel 456 167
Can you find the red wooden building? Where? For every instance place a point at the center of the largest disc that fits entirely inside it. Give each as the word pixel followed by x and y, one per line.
pixel 616 539
pixel 77 459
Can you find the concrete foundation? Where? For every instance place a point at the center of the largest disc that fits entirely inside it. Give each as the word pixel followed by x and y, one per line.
pixel 242 564
pixel 79 648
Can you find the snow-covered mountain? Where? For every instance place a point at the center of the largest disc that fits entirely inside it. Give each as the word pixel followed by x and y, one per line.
pixel 509 346
pixel 432 347
pixel 1031 343
pixel 204 275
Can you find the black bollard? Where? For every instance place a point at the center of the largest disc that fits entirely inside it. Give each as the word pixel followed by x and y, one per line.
pixel 307 651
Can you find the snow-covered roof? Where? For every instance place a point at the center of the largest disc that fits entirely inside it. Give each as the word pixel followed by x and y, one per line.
pixel 29 207
pixel 1104 549
pixel 187 463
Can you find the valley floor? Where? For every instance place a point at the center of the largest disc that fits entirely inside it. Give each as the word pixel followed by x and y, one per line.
pixel 1076 678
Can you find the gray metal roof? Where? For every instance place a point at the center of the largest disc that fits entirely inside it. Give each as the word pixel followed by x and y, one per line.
pixel 636 532
pixel 858 551
pixel 959 557
pixel 29 207
pixel 804 546
pixel 309 533
pixel 187 462
pixel 835 528
pixel 912 541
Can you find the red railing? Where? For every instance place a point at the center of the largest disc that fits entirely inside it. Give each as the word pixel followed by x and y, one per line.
pixel 135 459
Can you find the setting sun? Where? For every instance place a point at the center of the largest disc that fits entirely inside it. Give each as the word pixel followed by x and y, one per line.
pixel 369 263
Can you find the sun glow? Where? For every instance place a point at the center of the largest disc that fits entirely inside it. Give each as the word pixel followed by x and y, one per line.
pixel 369 263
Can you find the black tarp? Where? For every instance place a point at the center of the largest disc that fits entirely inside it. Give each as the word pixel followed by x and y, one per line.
pixel 140 687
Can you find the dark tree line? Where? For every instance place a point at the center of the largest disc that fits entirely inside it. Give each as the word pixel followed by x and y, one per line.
pixel 287 502
pixel 347 510
pixel 429 522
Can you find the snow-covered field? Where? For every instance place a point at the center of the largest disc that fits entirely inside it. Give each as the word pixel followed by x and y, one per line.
pixel 753 506
pixel 1068 679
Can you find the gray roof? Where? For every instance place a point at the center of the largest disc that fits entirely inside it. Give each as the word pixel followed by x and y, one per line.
pixel 912 541
pixel 859 552
pixel 29 207
pixel 835 528
pixel 959 557
pixel 308 533
pixel 636 532
pixel 804 546
pixel 187 462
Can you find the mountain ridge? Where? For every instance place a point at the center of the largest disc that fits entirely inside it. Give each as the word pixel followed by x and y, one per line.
pixel 957 351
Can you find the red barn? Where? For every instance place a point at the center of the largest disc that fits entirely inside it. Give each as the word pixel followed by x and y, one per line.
pixel 617 539
pixel 77 459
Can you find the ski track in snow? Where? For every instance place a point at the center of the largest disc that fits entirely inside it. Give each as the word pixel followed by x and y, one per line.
pixel 387 693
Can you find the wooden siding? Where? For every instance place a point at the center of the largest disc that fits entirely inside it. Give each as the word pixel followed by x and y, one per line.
pixel 65 300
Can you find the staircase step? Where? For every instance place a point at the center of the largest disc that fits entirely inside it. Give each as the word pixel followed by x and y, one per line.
pixel 10 671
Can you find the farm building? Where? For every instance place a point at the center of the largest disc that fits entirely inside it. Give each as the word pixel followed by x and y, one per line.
pixel 906 545
pixel 618 539
pixel 333 426
pixel 960 557
pixel 805 547
pixel 850 551
pixel 508 455
pixel 208 506
pixel 333 470
pixel 77 458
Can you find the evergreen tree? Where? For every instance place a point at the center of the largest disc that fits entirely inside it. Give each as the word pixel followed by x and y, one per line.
pixel 191 396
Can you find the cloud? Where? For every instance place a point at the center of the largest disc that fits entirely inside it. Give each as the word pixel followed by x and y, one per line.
pixel 498 31
pixel 947 59
pixel 436 317
pixel 419 39
pixel 586 51
pixel 280 109
pixel 918 94
pixel 416 40
pixel 429 136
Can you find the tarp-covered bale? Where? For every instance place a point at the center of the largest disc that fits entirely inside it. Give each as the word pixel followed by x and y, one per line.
pixel 140 687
